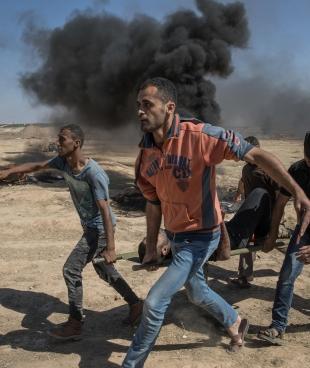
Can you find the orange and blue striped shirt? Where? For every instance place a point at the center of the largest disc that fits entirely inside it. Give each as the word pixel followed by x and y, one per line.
pixel 180 175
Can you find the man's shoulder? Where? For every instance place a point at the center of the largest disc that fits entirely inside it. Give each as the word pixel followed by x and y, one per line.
pixel 195 125
pixel 190 120
pixel 191 124
pixel 95 170
pixel 248 169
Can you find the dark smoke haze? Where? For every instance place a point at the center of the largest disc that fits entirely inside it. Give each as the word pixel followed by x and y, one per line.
pixel 267 99
pixel 94 63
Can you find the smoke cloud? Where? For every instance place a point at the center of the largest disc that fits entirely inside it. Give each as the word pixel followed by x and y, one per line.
pixel 267 99
pixel 94 63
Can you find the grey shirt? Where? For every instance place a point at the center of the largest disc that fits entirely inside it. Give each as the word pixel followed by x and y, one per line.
pixel 86 187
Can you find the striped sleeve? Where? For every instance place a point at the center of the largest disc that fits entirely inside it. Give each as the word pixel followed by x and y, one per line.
pixel 219 144
pixel 147 189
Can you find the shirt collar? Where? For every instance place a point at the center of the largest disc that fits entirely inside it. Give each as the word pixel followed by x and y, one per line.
pixel 175 127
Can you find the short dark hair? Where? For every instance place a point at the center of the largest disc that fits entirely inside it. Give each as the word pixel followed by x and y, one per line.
pixel 166 89
pixel 76 131
pixel 252 140
pixel 307 145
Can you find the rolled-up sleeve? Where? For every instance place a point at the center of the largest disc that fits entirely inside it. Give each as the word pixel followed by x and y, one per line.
pixel 147 189
pixel 100 186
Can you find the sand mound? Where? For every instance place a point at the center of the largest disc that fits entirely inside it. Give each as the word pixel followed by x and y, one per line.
pixel 38 131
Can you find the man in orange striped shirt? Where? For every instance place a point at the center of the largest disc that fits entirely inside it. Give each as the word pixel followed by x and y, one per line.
pixel 176 174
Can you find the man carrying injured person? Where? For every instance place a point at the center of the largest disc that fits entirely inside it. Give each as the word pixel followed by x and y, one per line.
pixel 297 254
pixel 88 185
pixel 253 217
pixel 175 172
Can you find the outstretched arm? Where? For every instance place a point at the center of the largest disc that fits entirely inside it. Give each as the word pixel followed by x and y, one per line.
pixel 275 169
pixel 24 169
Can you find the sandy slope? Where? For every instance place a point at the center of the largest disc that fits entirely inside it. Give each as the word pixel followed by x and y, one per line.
pixel 39 227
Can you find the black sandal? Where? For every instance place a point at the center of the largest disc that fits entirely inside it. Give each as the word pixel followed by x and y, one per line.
pixel 271 335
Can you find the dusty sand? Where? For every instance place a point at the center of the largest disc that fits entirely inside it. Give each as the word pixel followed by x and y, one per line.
pixel 39 227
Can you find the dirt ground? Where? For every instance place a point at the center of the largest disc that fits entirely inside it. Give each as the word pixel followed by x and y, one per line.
pixel 39 227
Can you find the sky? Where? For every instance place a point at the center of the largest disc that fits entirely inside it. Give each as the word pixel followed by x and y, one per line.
pixel 275 61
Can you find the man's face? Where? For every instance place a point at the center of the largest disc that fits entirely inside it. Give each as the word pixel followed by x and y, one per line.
pixel 307 159
pixel 152 111
pixel 67 144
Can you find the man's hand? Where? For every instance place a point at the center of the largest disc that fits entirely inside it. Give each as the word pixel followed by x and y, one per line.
pixel 4 174
pixel 109 255
pixel 150 257
pixel 269 244
pixel 303 255
pixel 302 208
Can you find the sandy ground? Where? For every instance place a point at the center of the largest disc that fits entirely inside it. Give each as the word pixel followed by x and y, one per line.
pixel 39 227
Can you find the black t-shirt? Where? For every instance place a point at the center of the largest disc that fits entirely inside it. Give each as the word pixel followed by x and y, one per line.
pixel 300 172
pixel 253 177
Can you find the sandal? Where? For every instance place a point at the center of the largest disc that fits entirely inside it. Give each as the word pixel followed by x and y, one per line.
pixel 271 335
pixel 235 345
pixel 241 282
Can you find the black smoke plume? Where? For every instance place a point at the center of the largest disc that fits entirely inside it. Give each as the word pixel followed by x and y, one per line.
pixel 94 63
pixel 267 100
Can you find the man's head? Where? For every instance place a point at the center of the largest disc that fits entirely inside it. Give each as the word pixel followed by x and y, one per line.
pixel 156 102
pixel 70 139
pixel 307 148
pixel 163 246
pixel 252 140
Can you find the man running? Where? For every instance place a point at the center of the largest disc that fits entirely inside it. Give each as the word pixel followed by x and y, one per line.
pixel 88 185
pixel 176 174
pixel 253 217
pixel 297 254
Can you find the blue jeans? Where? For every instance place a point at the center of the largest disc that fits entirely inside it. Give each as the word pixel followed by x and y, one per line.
pixel 290 270
pixel 189 255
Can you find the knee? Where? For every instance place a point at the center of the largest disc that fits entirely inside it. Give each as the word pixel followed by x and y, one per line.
pixel 288 276
pixel 107 273
pixel 65 271
pixel 68 272
pixel 261 196
pixel 196 297
pixel 260 192
pixel 150 303
pixel 154 305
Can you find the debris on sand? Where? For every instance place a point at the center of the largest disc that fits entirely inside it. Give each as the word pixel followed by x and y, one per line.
pixel 130 199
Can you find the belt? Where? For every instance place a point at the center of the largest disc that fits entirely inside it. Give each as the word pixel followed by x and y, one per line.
pixel 191 234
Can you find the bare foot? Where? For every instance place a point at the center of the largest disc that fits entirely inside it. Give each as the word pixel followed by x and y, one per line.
pixel 233 330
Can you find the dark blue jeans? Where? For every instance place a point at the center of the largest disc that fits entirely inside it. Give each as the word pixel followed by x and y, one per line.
pixel 290 270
